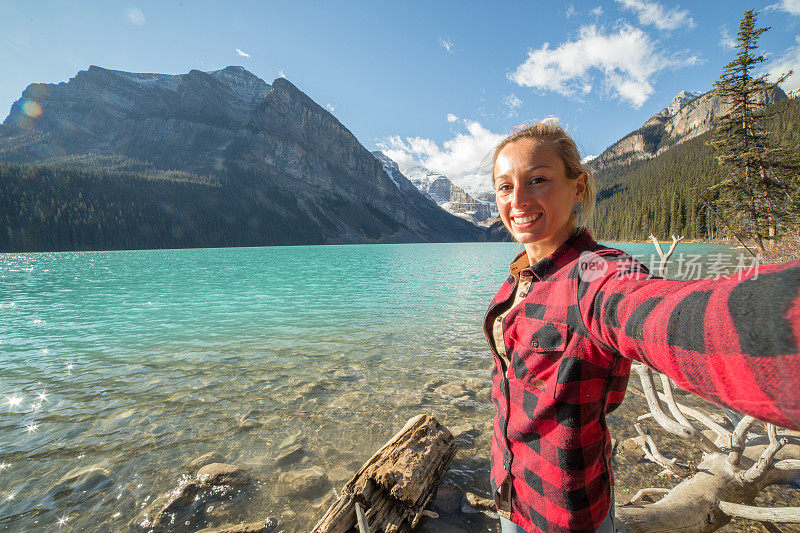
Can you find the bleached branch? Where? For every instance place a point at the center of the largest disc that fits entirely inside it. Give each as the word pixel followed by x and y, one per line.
pixel 646 492
pixel 739 438
pixel 652 453
pixel 758 471
pixel 672 426
pixel 664 256
pixel 782 515
pixel 666 384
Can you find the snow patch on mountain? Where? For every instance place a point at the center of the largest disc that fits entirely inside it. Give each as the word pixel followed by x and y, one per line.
pixel 475 184
pixel 390 172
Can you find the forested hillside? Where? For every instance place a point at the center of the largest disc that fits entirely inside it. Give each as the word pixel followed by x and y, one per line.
pixel 77 208
pixel 662 195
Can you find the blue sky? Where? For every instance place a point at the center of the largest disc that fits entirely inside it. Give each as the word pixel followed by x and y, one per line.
pixel 433 82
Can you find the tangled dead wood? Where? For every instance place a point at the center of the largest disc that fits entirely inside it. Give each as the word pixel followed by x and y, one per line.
pixel 736 466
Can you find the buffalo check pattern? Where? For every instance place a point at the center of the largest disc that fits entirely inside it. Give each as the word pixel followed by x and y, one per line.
pixel 569 344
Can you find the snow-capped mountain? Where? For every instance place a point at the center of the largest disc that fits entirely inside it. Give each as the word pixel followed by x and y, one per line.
pixel 441 190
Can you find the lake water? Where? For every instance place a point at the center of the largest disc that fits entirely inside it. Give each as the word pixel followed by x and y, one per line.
pixel 117 369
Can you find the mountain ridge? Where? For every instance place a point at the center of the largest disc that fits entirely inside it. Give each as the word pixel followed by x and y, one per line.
pixel 694 116
pixel 230 126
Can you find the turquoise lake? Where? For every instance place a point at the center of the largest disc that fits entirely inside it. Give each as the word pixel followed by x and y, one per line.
pixel 117 369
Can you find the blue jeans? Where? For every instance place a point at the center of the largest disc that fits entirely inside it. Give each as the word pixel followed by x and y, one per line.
pixel 608 526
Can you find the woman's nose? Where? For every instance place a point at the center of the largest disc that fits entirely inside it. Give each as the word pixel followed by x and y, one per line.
pixel 521 196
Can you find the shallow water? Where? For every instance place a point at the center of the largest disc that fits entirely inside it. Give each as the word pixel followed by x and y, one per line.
pixel 135 363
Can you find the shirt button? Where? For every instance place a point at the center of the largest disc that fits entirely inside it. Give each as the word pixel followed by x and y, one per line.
pixel 535 343
pixel 523 294
pixel 499 319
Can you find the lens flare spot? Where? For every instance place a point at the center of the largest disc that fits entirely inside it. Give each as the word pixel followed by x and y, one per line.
pixel 31 108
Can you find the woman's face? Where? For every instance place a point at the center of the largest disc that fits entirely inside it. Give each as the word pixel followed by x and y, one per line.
pixel 534 195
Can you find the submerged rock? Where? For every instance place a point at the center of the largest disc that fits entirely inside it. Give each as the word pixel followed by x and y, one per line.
pixel 309 483
pixel 465 403
pixel 222 474
pixel 448 497
pixel 205 459
pixel 466 434
pixel 262 526
pixel 290 456
pixel 452 390
pixel 81 483
pixel 431 385
pixel 294 439
pixel 340 475
pixel 184 505
pixel 248 424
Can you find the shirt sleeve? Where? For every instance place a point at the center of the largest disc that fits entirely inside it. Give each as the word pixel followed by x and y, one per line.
pixel 733 340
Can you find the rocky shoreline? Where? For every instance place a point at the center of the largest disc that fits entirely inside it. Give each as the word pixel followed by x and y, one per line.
pixel 214 494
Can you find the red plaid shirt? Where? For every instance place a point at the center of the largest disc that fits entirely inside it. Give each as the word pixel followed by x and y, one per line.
pixel 569 345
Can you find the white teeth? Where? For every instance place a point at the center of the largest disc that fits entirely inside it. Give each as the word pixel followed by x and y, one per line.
pixel 525 220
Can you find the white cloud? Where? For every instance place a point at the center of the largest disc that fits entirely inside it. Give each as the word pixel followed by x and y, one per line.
pixel 462 158
pixel 136 17
pixel 330 107
pixel 281 73
pixel 598 11
pixel 627 61
pixel 570 12
pixel 447 44
pixel 451 117
pixel 241 53
pixel 788 60
pixel 655 14
pixel 726 40
pixel 513 103
pixel 790 6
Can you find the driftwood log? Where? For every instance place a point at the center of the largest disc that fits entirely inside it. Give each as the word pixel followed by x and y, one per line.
pixel 389 493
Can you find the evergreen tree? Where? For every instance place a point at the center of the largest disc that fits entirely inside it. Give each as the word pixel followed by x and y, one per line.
pixel 755 196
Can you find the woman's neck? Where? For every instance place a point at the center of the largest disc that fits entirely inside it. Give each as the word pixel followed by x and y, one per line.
pixel 537 251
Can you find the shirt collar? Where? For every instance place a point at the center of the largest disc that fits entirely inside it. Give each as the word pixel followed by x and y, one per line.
pixel 579 241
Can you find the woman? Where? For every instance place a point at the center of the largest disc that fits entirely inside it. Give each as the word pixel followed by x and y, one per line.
pixel 572 315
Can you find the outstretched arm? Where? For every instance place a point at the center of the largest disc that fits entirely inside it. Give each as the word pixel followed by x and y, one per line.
pixel 735 340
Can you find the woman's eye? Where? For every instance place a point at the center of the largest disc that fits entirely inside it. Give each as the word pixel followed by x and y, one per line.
pixel 537 180
pixel 503 187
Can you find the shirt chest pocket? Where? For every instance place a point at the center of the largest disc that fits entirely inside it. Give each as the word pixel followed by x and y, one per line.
pixel 537 347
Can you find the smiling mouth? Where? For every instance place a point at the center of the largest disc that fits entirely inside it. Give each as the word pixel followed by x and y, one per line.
pixel 520 221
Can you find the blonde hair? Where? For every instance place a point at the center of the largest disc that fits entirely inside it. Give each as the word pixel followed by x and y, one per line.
pixel 552 133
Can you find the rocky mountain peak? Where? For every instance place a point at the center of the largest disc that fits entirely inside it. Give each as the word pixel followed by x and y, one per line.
pixel 690 114
pixel 681 99
pixel 242 81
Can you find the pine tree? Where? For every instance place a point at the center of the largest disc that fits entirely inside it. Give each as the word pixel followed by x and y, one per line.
pixel 756 195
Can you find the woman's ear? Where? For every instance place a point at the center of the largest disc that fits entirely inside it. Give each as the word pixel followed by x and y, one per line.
pixel 581 182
